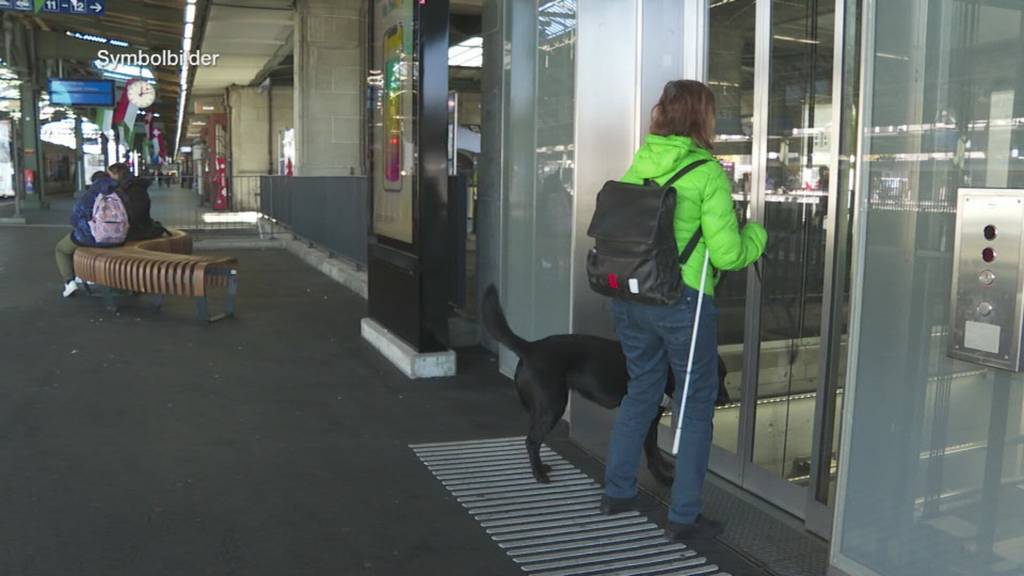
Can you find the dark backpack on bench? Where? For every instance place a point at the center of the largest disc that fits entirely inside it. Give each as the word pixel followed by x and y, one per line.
pixel 635 254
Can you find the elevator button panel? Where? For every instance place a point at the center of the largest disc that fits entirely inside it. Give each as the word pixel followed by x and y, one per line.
pixel 987 296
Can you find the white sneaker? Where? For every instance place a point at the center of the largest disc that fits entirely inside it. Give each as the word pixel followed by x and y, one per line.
pixel 70 288
pixel 85 282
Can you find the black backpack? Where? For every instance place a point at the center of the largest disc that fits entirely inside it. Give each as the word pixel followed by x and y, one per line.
pixel 634 257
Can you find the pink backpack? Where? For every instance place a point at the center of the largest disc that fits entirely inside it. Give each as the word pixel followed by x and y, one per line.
pixel 109 223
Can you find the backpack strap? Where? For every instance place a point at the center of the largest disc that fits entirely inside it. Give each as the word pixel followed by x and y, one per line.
pixel 690 247
pixel 686 170
pixel 692 244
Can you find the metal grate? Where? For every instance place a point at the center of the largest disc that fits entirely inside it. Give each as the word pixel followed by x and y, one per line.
pixel 553 529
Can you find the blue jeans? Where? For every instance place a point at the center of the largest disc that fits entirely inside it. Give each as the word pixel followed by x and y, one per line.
pixel 654 338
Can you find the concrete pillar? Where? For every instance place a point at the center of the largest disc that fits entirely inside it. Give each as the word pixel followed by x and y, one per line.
pixel 250 131
pixel 80 178
pixel 257 117
pixel 330 80
pixel 282 117
pixel 31 145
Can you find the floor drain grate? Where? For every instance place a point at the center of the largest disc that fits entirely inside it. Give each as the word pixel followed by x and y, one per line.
pixel 553 529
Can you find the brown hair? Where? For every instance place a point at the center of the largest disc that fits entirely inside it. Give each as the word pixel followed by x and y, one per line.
pixel 686 108
pixel 118 171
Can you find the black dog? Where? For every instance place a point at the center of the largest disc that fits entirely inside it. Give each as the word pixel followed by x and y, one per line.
pixel 595 367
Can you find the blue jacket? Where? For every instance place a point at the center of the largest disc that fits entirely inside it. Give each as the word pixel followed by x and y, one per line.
pixel 81 234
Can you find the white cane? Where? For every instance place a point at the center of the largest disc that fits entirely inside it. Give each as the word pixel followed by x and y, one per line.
pixel 693 347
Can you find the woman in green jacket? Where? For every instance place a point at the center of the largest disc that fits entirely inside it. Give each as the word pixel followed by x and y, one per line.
pixel 655 337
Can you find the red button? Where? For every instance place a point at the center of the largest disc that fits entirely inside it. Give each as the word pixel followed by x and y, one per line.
pixel 988 254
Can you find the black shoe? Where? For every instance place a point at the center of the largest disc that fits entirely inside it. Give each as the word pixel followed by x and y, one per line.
pixel 702 529
pixel 611 506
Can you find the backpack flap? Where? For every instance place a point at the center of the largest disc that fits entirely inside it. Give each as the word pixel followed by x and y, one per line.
pixel 629 212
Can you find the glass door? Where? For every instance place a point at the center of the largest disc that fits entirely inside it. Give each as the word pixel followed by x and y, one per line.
pixel 785 96
pixel 934 481
pixel 797 157
pixel 731 77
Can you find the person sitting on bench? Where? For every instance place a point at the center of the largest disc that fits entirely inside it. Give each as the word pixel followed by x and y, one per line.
pixel 135 192
pixel 100 211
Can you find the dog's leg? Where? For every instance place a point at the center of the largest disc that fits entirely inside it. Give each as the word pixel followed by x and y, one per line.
pixel 542 421
pixel 723 392
pixel 540 427
pixel 659 466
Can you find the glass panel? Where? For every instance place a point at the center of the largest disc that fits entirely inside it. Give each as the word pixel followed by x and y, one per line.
pixel 731 77
pixel 936 468
pixel 539 140
pixel 556 153
pixel 796 204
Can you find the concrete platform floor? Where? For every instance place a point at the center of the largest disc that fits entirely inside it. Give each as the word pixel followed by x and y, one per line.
pixel 147 443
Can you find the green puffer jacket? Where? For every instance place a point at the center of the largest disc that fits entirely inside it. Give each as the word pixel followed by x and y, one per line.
pixel 703 198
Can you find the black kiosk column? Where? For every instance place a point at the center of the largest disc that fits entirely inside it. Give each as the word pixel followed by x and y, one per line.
pixel 409 272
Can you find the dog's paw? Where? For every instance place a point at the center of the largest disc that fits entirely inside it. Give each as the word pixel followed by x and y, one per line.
pixel 541 474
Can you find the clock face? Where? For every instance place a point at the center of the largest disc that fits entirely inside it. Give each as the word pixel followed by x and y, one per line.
pixel 141 93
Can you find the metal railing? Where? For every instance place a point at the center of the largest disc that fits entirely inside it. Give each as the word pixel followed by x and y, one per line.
pixel 184 207
pixel 330 211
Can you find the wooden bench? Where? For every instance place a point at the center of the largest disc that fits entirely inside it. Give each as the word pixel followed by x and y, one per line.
pixel 162 266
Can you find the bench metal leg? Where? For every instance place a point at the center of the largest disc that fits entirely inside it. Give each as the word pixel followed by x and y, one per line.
pixel 203 309
pixel 203 305
pixel 108 298
pixel 229 301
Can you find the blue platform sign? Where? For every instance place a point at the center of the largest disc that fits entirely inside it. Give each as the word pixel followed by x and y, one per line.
pixel 6 4
pixel 81 92
pixel 23 5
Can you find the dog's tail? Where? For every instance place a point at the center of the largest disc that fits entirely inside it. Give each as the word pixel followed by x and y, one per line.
pixel 496 324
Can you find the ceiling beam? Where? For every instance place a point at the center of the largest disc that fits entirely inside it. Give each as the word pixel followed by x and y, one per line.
pixel 280 55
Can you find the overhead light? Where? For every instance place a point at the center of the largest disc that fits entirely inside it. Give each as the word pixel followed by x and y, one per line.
pixel 797 40
pixel 89 37
pixel 186 43
pixel 96 38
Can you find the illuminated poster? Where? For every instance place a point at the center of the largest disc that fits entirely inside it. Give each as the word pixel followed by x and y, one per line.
pixel 393 109
pixel 392 86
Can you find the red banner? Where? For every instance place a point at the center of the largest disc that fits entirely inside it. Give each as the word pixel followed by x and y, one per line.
pixel 220 200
